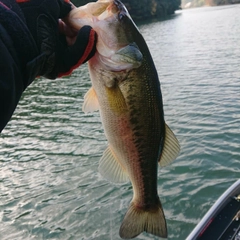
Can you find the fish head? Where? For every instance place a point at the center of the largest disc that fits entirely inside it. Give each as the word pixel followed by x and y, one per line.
pixel 116 48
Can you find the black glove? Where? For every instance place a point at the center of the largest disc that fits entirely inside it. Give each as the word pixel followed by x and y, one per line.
pixel 56 57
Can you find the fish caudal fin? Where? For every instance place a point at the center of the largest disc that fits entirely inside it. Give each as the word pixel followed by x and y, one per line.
pixel 138 220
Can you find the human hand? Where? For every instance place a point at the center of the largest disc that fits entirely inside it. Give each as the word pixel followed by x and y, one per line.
pixel 61 48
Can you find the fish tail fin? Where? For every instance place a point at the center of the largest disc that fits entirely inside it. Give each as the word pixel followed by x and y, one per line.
pixel 138 220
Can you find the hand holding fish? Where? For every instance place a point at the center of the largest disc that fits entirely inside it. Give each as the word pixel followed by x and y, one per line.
pixel 62 48
pixel 35 41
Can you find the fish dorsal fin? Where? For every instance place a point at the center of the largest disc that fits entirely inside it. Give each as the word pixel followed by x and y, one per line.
pixel 171 148
pixel 90 101
pixel 110 168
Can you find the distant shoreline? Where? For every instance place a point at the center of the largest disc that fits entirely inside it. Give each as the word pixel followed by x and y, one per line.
pixel 208 3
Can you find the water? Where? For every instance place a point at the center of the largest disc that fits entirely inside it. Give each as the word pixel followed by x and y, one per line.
pixel 49 184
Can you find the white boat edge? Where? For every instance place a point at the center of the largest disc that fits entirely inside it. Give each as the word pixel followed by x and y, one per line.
pixel 231 191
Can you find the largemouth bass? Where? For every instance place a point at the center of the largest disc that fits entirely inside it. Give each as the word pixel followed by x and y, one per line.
pixel 126 91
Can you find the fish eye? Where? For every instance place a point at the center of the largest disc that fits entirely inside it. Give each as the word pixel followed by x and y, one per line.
pixel 121 16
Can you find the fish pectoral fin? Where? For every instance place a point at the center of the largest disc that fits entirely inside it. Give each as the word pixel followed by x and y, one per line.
pixel 171 148
pixel 91 103
pixel 116 100
pixel 111 169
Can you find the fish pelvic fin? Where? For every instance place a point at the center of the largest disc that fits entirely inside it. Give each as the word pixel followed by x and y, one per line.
pixel 138 220
pixel 111 169
pixel 171 148
pixel 91 103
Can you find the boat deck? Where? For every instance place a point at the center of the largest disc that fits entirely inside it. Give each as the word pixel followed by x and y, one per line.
pixel 226 224
pixel 222 221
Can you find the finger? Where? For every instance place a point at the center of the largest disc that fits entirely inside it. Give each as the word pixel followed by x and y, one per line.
pixel 67 31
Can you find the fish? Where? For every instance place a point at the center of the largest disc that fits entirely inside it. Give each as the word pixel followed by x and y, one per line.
pixel 126 91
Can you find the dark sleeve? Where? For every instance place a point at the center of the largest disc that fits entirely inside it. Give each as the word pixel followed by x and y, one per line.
pixel 17 48
pixel 11 85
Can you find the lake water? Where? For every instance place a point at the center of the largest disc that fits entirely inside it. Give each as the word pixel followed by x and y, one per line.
pixel 49 184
